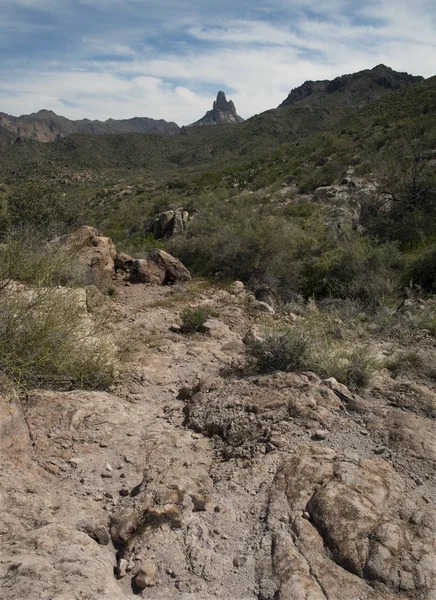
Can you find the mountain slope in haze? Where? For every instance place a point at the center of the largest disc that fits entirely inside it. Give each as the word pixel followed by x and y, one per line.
pixel 320 111
pixel 223 111
pixel 47 126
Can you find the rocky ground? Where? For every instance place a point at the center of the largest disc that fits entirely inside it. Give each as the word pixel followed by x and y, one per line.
pixel 187 481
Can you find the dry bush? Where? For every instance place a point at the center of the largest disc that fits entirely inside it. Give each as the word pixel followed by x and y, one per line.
pixel 25 257
pixel 306 346
pixel 48 338
pixel 279 347
pixel 193 319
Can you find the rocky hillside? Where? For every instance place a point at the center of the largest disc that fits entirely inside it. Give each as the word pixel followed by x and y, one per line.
pixel 223 111
pixel 190 478
pixel 370 83
pixel 47 126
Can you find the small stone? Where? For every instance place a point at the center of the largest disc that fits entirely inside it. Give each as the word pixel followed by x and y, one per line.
pixel 278 442
pixel 123 492
pixel 108 495
pixel 320 434
pixel 380 450
pixel 145 577
pixel 103 445
pixel 270 447
pixel 106 475
pixel 306 515
pixel 109 467
pixel 237 288
pixel 128 460
pixel 122 568
pixel 239 561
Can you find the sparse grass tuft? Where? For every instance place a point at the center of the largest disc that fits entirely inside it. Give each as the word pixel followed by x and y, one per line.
pixel 404 361
pixel 193 319
pixel 305 347
pixel 278 348
pixel 354 368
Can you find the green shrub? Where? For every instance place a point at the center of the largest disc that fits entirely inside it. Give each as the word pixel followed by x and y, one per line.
pixel 354 368
pixel 358 269
pixel 278 348
pixel 234 241
pixel 306 347
pixel 38 206
pixel 193 319
pixel 423 271
pixel 25 257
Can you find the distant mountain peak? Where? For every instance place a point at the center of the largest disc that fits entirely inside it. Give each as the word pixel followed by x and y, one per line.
pixel 223 111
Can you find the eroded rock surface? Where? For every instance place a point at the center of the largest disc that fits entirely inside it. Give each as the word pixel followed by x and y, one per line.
pixel 188 482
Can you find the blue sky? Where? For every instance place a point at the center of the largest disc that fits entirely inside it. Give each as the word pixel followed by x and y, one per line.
pixel 168 58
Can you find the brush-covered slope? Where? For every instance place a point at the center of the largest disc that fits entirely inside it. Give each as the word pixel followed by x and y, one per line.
pixel 347 102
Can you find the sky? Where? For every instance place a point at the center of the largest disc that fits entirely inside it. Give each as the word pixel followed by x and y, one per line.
pixel 167 59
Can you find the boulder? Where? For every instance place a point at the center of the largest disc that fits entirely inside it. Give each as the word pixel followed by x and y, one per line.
pixel 237 288
pixel 95 253
pixel 178 223
pixel 147 574
pixel 159 268
pixel 175 271
pixel 123 262
pixel 168 223
pixel 145 271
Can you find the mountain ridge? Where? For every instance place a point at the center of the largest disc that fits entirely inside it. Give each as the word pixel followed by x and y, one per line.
pixel 47 126
pixel 312 104
pixel 381 76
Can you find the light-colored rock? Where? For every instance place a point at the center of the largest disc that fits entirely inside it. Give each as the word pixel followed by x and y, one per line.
pixel 237 288
pixel 175 271
pixel 262 307
pixel 145 271
pixel 146 575
pixel 94 254
pixel 123 262
pixel 224 491
pixel 166 223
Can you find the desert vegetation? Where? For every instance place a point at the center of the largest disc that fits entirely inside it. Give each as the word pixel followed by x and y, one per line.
pixel 52 327
pixel 152 420
pixel 257 212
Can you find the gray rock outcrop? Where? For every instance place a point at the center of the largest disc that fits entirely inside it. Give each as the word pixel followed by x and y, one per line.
pixel 168 223
pixel 223 111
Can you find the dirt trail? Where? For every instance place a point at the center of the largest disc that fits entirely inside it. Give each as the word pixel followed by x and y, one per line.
pixel 185 482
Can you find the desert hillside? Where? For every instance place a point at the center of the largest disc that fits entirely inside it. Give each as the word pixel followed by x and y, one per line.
pixel 217 354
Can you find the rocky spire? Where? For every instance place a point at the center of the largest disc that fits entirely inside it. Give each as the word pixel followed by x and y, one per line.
pixel 223 111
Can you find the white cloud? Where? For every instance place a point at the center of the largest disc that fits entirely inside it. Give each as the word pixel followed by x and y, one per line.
pixel 256 60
